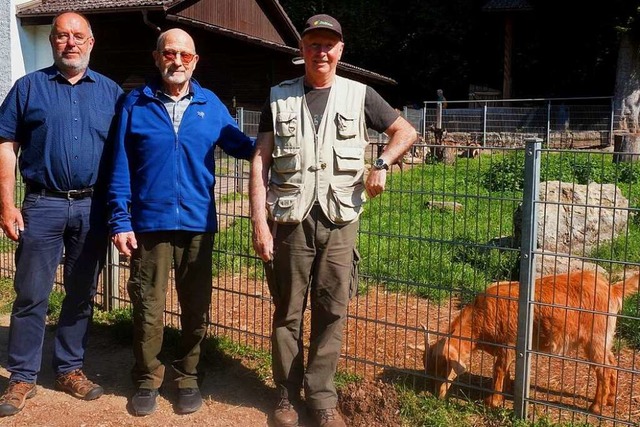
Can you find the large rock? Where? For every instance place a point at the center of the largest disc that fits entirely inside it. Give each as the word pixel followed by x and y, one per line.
pixel 574 219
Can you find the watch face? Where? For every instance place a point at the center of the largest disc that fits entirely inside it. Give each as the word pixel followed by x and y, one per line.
pixel 380 164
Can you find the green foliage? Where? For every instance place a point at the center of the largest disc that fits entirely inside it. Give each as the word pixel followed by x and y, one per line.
pixel 506 174
pixel 425 410
pixel 55 305
pixel 231 197
pixel 223 350
pixel 410 246
pixel 628 326
pixel 233 250
pixel 119 321
pixel 343 378
pixel 7 295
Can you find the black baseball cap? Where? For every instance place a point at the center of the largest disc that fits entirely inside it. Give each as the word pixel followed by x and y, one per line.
pixel 322 22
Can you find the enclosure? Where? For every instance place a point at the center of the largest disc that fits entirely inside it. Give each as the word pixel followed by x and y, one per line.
pixel 544 195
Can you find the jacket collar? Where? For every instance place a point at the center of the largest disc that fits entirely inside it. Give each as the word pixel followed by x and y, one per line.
pixel 155 85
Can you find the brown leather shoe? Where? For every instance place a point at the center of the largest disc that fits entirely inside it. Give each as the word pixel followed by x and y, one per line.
pixel 77 385
pixel 285 414
pixel 14 397
pixel 328 418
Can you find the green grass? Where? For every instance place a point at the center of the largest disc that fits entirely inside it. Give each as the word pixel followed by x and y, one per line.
pixel 231 197
pixel 425 410
pixel 432 252
pixel 7 295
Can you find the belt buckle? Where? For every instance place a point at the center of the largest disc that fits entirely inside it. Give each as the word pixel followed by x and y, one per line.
pixel 73 194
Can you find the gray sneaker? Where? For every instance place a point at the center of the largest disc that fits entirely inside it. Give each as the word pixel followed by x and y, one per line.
pixel 144 401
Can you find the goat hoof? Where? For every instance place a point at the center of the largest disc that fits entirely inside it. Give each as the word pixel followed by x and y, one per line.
pixel 493 401
pixel 595 408
pixel 611 400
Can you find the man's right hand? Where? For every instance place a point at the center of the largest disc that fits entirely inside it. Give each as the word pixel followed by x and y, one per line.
pixel 125 242
pixel 12 222
pixel 263 241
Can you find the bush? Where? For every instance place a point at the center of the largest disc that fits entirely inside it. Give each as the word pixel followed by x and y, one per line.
pixel 506 174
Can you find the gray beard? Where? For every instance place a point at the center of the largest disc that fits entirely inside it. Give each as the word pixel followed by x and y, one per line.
pixel 72 66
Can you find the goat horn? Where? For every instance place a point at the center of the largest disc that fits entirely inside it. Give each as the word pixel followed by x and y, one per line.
pixel 426 338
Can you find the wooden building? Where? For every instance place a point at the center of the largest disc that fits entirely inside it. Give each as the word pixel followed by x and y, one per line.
pixel 245 46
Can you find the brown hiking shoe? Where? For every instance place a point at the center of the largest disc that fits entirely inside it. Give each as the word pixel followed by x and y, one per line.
pixel 328 418
pixel 14 397
pixel 77 385
pixel 285 414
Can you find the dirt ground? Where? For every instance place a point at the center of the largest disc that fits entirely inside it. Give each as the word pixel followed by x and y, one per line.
pixel 233 394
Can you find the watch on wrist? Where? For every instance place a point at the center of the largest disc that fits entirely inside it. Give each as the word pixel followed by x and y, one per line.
pixel 381 164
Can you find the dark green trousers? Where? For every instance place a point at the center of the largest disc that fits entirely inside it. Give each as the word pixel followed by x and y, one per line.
pixel 190 255
pixel 315 259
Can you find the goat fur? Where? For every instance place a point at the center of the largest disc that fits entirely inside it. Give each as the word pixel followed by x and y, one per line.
pixel 578 312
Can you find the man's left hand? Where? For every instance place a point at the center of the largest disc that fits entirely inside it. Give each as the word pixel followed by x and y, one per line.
pixel 375 182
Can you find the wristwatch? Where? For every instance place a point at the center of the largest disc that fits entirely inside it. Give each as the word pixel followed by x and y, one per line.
pixel 380 164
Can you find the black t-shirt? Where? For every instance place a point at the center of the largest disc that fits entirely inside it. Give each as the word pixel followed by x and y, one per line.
pixel 379 115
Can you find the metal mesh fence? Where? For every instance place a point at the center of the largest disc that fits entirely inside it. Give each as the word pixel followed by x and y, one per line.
pixel 449 235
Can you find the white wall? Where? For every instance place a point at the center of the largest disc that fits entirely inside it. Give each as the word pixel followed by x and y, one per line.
pixel 25 49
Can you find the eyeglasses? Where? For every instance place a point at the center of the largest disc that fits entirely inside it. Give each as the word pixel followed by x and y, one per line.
pixel 185 57
pixel 63 38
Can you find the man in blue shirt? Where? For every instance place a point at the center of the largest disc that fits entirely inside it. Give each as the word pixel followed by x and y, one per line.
pixel 163 212
pixel 58 119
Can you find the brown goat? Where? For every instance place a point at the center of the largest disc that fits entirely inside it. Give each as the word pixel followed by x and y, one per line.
pixel 578 311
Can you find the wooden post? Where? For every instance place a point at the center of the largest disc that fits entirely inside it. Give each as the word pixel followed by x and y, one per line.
pixel 626 148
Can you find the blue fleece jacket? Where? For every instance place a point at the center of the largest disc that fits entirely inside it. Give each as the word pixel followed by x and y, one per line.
pixel 161 181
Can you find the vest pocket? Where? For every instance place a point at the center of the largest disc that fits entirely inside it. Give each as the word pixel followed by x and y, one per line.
pixel 346 125
pixel 345 204
pixel 286 124
pixel 286 160
pixel 285 203
pixel 348 159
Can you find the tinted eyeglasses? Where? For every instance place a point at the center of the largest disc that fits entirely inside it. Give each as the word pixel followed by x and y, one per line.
pixel 185 57
pixel 63 38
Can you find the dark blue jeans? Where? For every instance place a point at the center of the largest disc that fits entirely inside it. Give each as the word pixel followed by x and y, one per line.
pixel 51 226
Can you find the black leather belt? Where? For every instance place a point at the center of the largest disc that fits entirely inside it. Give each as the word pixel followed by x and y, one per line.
pixel 69 195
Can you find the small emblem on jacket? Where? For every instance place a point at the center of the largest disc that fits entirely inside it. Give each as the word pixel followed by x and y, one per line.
pixel 201 114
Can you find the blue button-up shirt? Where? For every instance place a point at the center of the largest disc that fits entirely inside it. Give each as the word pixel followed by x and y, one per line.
pixel 62 129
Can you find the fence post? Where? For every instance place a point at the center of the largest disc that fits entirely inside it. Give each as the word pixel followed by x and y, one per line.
pixel 611 124
pixel 548 123
pixel 424 122
pixel 111 278
pixel 528 247
pixel 236 162
pixel 484 124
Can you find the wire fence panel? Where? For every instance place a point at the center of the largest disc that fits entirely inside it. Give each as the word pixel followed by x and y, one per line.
pixel 452 259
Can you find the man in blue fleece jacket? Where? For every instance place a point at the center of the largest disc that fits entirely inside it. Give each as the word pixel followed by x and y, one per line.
pixel 163 212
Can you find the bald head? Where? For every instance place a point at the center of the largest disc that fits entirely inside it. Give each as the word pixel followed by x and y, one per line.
pixel 176 58
pixel 177 36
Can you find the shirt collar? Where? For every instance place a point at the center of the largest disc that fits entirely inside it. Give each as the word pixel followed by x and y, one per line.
pixel 55 74
pixel 189 94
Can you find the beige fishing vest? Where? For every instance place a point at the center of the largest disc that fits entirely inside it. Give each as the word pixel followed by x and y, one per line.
pixel 327 166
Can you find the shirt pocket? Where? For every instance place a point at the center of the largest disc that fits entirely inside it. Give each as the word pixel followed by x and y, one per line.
pixel 346 125
pixel 348 159
pixel 286 124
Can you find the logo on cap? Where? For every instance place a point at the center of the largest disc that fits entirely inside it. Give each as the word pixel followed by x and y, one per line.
pixel 320 22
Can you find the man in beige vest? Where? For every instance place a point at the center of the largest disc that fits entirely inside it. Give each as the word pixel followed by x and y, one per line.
pixel 307 190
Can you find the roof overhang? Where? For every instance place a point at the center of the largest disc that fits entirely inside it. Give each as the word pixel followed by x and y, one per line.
pixel 39 12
